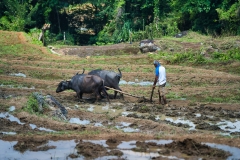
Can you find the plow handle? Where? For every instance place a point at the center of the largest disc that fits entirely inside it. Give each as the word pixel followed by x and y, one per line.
pixel 151 95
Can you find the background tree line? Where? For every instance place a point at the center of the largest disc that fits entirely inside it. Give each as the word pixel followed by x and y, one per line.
pixel 112 21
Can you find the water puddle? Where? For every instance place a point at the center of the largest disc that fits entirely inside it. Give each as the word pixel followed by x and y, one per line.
pixel 9 133
pixel 198 115
pixel 78 121
pixel 126 113
pixel 229 126
pixel 139 155
pixel 14 86
pixel 12 108
pixel 12 118
pixel 124 126
pixel 225 125
pixel 62 150
pixel 98 125
pixel 142 83
pixel 138 82
pixel 233 150
pixel 33 126
pixel 18 75
pixel 182 121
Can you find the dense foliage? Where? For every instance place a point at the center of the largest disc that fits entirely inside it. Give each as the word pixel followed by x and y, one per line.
pixel 111 21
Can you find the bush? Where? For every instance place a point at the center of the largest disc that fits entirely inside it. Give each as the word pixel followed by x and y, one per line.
pixel 233 54
pixel 36 103
pixel 34 34
pixel 178 58
pixel 32 104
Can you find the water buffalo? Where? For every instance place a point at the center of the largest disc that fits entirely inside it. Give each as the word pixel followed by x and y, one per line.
pixel 111 79
pixel 83 83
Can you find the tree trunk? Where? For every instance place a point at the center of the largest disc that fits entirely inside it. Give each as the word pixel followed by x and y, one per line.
pixel 59 27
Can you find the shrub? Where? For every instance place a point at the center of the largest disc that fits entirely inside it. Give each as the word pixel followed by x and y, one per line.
pixel 36 103
pixel 32 104
pixel 233 54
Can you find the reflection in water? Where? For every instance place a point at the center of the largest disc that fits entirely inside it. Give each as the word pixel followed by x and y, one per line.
pixel 65 148
pixel 233 150
pixel 10 117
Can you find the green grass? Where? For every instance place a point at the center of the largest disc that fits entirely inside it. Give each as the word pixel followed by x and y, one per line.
pixel 8 82
pixel 147 70
pixel 10 50
pixel 15 84
pixel 16 50
pixel 46 75
pixel 233 96
pixel 173 95
pixel 127 69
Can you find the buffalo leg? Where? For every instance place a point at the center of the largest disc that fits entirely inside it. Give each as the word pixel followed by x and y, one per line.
pixel 80 97
pixel 101 94
pixel 97 95
pixel 115 93
pixel 105 92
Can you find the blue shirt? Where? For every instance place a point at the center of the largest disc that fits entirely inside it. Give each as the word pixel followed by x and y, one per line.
pixel 157 71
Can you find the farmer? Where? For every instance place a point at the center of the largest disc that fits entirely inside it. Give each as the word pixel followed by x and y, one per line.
pixel 160 77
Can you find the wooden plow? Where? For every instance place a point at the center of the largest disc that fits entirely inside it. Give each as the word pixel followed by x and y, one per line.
pixel 140 98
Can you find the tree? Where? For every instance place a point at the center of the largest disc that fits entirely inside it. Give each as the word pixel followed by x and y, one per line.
pixel 229 17
pixel 16 15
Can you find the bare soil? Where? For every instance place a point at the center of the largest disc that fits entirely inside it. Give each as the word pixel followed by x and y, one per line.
pixel 45 71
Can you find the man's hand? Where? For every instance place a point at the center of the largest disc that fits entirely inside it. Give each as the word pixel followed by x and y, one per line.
pixel 153 86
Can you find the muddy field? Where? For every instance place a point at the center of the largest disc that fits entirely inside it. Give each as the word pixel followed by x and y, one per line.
pixel 128 128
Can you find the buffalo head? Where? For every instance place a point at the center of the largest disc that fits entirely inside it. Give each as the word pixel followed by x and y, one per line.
pixel 63 85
